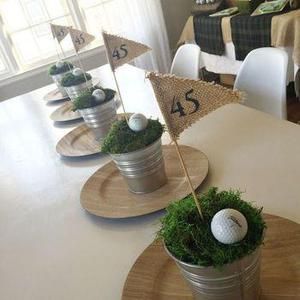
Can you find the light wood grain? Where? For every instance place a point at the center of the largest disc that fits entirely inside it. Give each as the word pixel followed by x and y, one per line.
pixel 79 142
pixel 65 113
pixel 155 276
pixel 54 95
pixel 106 194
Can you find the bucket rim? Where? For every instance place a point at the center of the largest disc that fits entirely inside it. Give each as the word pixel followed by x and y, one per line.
pixel 202 267
pixel 95 108
pixel 60 74
pixel 82 83
pixel 136 151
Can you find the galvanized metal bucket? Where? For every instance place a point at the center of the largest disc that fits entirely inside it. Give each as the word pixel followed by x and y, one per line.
pixel 100 118
pixel 75 90
pixel 143 170
pixel 57 79
pixel 239 280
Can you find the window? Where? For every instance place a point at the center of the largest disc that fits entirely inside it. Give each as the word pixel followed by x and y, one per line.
pixel 4 69
pixel 26 33
pixel 104 14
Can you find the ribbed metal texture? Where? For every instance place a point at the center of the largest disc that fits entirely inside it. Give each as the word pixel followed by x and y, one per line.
pixel 57 79
pixel 143 170
pixel 100 118
pixel 75 90
pixel 235 281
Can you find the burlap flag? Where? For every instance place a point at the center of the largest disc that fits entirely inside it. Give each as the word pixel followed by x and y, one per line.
pixel 80 38
pixel 184 101
pixel 59 32
pixel 120 50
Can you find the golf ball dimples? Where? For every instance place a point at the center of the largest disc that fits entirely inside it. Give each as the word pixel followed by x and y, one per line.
pixel 77 72
pixel 229 226
pixel 138 122
pixel 59 64
pixel 99 95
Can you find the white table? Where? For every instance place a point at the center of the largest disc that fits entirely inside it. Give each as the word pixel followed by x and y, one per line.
pixel 50 248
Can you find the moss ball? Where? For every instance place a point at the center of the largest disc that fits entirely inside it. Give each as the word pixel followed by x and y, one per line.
pixel 190 239
pixel 54 70
pixel 121 139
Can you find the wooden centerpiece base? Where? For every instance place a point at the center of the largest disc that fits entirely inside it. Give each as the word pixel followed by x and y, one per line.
pixel 155 276
pixel 106 193
pixel 80 142
pixel 54 95
pixel 65 113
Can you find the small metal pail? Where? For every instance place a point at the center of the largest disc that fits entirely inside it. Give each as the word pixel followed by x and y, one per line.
pixel 75 90
pixel 239 280
pixel 57 79
pixel 100 118
pixel 143 170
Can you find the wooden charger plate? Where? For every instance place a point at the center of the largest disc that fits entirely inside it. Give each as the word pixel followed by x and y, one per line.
pixel 80 142
pixel 106 193
pixel 154 276
pixel 54 95
pixel 65 113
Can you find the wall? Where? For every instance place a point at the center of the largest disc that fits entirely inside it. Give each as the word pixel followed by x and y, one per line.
pixel 26 82
pixel 176 13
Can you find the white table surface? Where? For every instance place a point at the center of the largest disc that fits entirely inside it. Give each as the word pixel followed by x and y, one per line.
pixel 50 248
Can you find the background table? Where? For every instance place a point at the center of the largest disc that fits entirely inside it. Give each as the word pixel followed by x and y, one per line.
pixel 50 248
pixel 284 34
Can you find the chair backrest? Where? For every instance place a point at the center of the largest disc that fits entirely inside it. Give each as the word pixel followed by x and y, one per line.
pixel 263 77
pixel 186 62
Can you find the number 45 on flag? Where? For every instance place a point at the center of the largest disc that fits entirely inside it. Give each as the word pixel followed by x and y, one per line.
pixel 80 39
pixel 120 50
pixel 184 101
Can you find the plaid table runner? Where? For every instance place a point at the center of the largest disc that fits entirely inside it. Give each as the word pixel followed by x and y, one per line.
pixel 208 34
pixel 249 33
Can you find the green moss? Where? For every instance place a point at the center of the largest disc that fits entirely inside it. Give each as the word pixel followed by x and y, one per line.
pixel 190 239
pixel 87 100
pixel 69 79
pixel 121 139
pixel 53 70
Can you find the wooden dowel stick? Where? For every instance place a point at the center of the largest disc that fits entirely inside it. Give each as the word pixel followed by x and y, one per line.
pixel 118 89
pixel 63 53
pixel 81 66
pixel 188 178
pixel 107 50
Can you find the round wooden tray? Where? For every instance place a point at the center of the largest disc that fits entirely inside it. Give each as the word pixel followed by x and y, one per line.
pixel 106 193
pixel 54 95
pixel 65 113
pixel 154 276
pixel 80 142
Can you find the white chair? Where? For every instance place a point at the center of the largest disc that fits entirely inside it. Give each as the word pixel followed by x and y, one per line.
pixel 186 62
pixel 263 77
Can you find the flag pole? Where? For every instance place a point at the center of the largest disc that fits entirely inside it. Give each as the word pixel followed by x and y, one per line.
pixel 114 74
pixel 63 53
pixel 188 178
pixel 81 65
pixel 118 90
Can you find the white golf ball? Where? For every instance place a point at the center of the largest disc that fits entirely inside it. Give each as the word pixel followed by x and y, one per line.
pixel 138 122
pixel 77 72
pixel 229 226
pixel 99 95
pixel 59 64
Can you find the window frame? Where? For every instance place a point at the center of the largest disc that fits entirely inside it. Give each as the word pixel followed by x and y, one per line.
pixel 9 57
